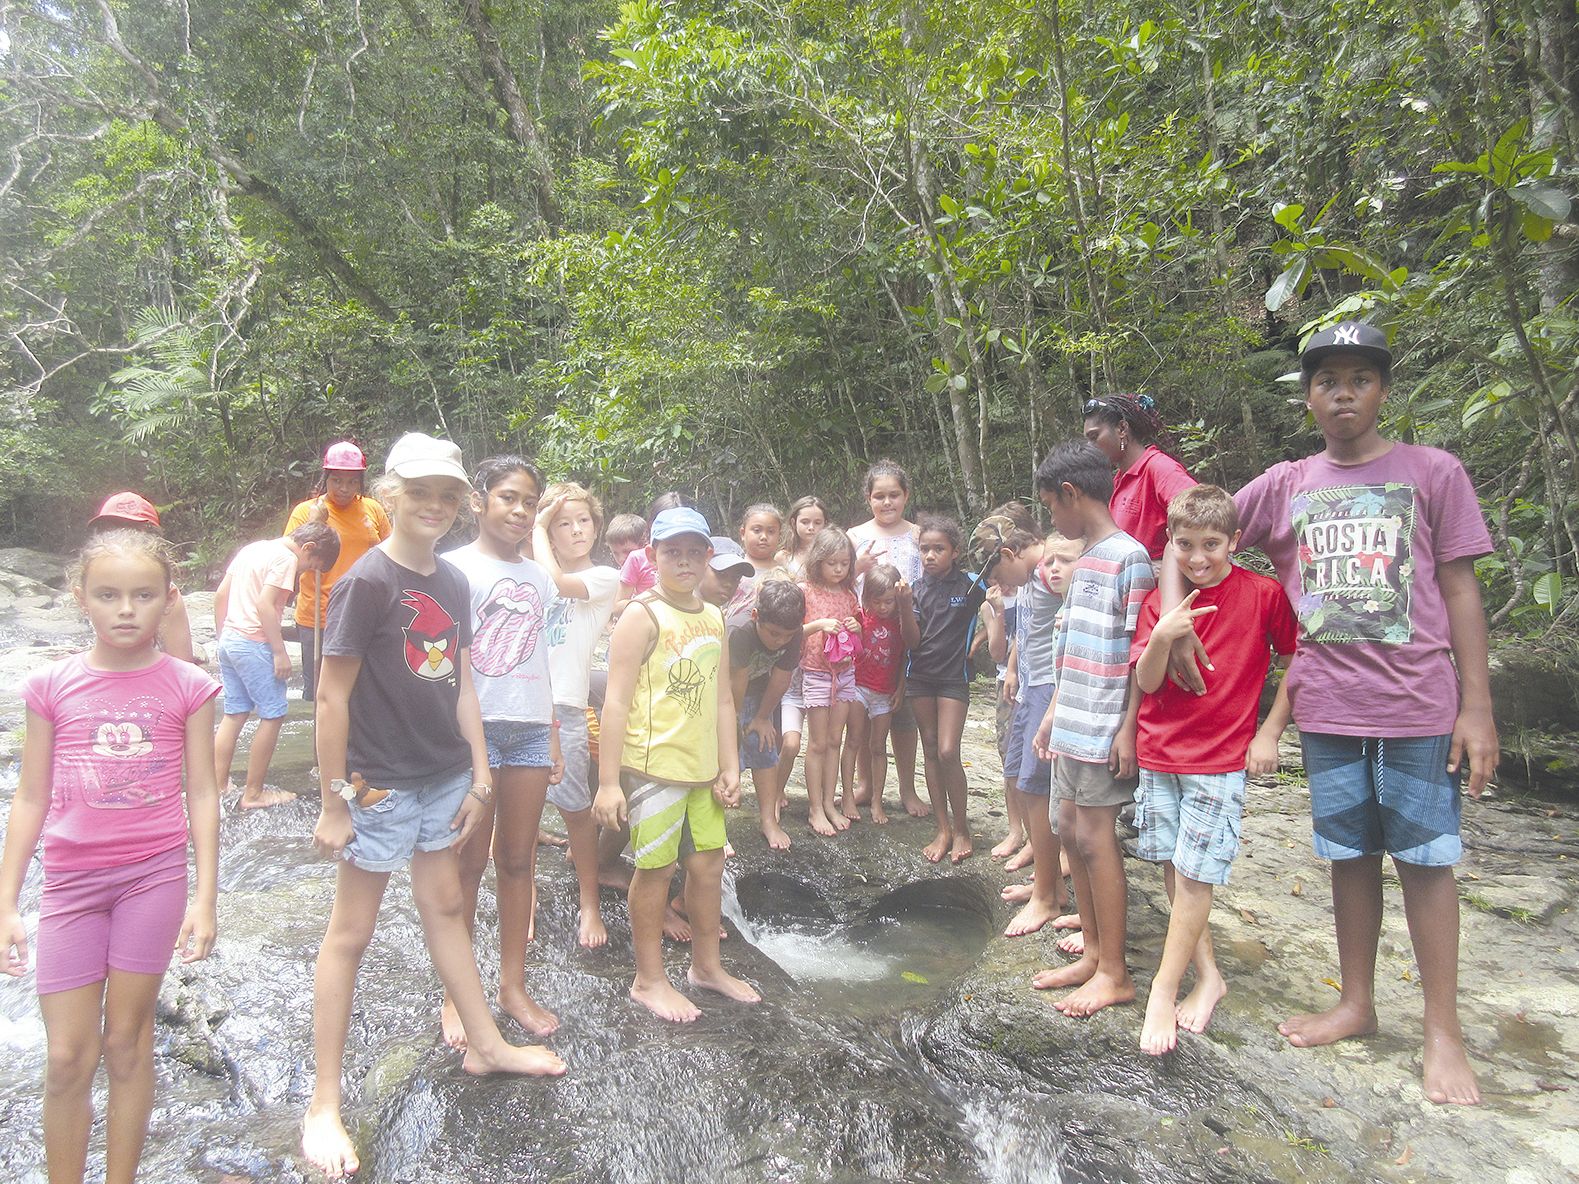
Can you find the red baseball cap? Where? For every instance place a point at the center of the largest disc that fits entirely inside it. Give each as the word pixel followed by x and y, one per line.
pixel 126 507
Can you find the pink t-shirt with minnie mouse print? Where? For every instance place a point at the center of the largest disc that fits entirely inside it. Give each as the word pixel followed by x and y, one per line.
pixel 119 753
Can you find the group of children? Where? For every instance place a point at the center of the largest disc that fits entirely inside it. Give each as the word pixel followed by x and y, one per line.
pixel 457 693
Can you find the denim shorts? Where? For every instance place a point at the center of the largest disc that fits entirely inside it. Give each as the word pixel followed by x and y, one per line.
pixel 412 818
pixel 1034 774
pixel 573 791
pixel 752 754
pixel 511 742
pixel 1374 794
pixel 1190 820
pixel 824 688
pixel 246 668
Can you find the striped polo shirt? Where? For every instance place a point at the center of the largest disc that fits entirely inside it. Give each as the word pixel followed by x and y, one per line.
pixel 1101 610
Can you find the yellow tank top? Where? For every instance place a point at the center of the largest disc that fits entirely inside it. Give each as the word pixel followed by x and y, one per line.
pixel 672 732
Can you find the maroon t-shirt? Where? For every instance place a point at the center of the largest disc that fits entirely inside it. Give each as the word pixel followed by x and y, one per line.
pixel 1357 548
pixel 1182 732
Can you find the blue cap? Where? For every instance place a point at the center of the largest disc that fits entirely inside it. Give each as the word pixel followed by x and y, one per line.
pixel 680 520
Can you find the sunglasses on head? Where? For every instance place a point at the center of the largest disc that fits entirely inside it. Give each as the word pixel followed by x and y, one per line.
pixel 1093 405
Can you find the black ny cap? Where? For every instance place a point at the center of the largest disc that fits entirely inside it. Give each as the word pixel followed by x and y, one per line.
pixel 1347 337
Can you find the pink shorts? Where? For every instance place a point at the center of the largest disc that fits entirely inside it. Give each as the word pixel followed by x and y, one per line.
pixel 127 917
pixel 824 688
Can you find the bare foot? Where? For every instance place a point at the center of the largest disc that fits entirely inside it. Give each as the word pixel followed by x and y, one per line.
pixel 450 1024
pixel 1327 1027
pixel 1102 990
pixel 677 907
pixel 962 849
pixel 1021 858
pixel 851 810
pixel 675 927
pixel 840 820
pixel 590 932
pixel 327 1145
pixel 1449 1080
pixel 524 1010
pixel 528 1060
pixel 725 984
pixel 1009 845
pixel 1073 943
pixel 1029 919
pixel 863 795
pixel 1195 1012
pixel 617 877
pixel 1160 1032
pixel 820 824
pixel 1064 976
pixel 1067 921
pixel 729 850
pixel 878 814
pixel 777 837
pixel 938 847
pixel 914 806
pixel 1015 893
pixel 665 1002
pixel 547 838
pixel 262 799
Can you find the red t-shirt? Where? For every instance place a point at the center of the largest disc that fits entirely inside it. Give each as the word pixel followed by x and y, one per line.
pixel 877 665
pixel 1140 498
pixel 1181 732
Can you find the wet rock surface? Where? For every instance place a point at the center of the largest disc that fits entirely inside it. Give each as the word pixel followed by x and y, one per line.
pixel 899 1038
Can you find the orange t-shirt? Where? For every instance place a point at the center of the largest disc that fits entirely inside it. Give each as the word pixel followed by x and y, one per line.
pixel 361 526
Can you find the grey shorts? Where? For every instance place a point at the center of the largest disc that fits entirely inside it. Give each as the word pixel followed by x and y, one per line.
pixel 1088 784
pixel 412 818
pixel 573 791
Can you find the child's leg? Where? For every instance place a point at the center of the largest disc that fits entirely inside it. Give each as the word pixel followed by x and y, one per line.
pixel 129 1063
pixel 1189 939
pixel 904 738
pixel 1357 918
pixel 1195 1011
pixel 951 730
pixel 704 872
pixel 1106 918
pixel 770 802
pixel 855 781
pixel 926 709
pixel 613 871
pixel 1431 906
pixel 520 793
pixel 1048 897
pixel 817 728
pixel 1018 833
pixel 1084 967
pixel 226 737
pixel 583 832
pixel 841 817
pixel 264 740
pixel 436 891
pixel 471 862
pixel 876 755
pixel 73 1021
pixel 357 895
pixel 649 897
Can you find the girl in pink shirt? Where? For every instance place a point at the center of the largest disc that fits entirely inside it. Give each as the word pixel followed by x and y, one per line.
pixel 832 638
pixel 109 733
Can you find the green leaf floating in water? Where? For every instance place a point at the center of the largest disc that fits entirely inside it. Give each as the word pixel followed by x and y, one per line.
pixel 910 976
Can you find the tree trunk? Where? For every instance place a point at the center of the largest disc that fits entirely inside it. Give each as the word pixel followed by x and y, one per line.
pixel 518 116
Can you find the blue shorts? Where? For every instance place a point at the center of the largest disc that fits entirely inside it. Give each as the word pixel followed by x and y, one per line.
pixel 1190 820
pixel 1374 794
pixel 752 754
pixel 246 667
pixel 516 744
pixel 412 818
pixel 1034 774
pixel 573 790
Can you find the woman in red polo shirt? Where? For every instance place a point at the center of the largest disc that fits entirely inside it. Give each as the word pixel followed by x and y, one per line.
pixel 1126 428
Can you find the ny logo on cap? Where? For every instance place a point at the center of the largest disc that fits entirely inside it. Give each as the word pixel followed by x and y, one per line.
pixel 1346 335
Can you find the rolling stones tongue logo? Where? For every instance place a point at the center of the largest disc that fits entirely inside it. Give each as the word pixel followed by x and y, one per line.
pixel 431 639
pixel 508 626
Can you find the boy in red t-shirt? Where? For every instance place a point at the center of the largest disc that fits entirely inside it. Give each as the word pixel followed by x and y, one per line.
pixel 1192 748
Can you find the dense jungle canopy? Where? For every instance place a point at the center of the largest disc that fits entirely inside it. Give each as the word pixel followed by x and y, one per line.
pixel 742 246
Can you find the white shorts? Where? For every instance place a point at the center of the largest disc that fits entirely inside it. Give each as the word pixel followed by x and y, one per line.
pixel 876 702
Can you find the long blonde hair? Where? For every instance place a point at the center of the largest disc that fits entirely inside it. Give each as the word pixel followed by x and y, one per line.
pixel 829 542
